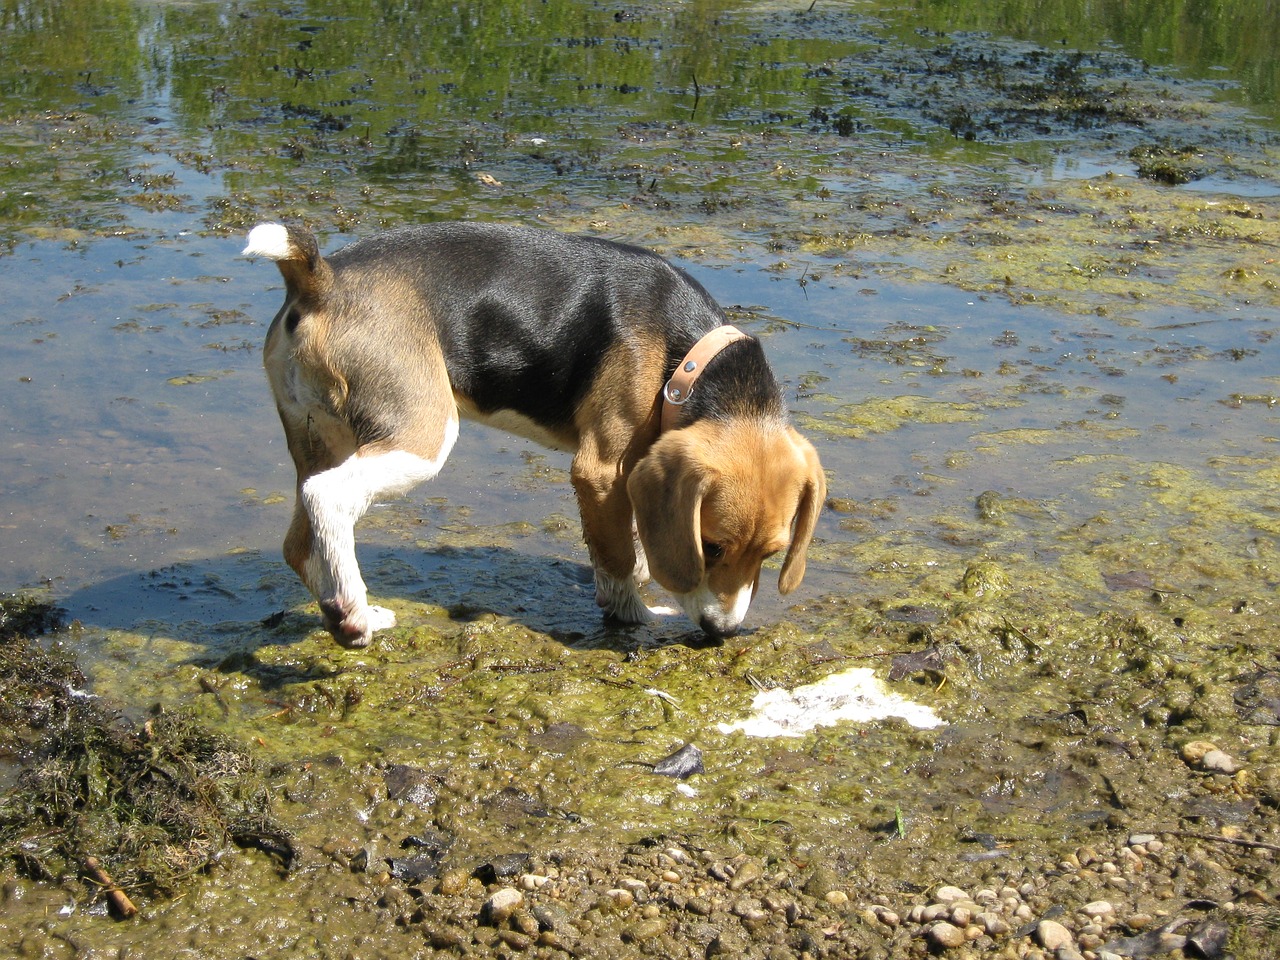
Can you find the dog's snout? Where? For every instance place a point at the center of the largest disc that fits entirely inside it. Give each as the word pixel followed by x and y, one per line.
pixel 717 630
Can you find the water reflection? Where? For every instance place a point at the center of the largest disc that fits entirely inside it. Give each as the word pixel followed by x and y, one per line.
pixel 809 163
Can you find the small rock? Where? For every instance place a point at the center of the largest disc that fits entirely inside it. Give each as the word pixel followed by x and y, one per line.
pixel 1216 761
pixel 1051 935
pixel 992 924
pixel 515 939
pixel 949 895
pixel 946 935
pixel 836 898
pixel 453 882
pixel 1194 751
pixel 1098 908
pixel 500 906
pixel 748 872
pixel 961 916
pixel 821 882
pixel 644 930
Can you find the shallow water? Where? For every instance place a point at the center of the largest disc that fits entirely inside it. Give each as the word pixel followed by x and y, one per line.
pixel 1029 371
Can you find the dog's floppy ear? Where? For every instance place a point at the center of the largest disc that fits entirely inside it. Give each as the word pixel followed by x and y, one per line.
pixel 806 519
pixel 666 489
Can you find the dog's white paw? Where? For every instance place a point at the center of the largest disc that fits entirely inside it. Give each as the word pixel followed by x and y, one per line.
pixel 620 600
pixel 380 618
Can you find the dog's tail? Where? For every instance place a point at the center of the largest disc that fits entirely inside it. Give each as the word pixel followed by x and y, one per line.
pixel 296 253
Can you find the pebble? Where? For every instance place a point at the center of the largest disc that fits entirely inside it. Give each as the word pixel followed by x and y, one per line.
pixel 1051 935
pixel 644 930
pixel 501 905
pixel 1098 908
pixel 1194 752
pixel 949 895
pixel 992 924
pixel 748 872
pixel 945 934
pixel 1216 761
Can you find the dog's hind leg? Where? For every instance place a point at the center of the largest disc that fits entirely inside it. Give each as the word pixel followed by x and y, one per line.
pixel 333 501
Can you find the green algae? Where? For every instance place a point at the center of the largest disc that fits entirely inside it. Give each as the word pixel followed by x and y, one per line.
pixel 877 415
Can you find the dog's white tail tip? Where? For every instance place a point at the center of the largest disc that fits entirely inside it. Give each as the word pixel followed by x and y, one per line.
pixel 268 240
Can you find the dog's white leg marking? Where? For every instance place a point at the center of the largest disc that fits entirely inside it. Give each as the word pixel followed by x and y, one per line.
pixel 620 598
pixel 334 500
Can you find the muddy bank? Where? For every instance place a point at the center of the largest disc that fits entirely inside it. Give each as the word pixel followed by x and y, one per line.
pixel 463 764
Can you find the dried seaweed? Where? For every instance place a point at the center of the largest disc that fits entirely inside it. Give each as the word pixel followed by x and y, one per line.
pixel 149 803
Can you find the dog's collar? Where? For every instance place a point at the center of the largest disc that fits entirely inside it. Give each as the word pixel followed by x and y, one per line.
pixel 679 388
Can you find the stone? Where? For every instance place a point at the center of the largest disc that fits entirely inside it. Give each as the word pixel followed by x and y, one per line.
pixel 748 872
pixel 1216 761
pixel 500 905
pixel 946 935
pixel 1051 935
pixel 949 895
pixel 992 923
pixel 1098 908
pixel 644 930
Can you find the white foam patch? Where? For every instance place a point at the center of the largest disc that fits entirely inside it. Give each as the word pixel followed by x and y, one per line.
pixel 855 695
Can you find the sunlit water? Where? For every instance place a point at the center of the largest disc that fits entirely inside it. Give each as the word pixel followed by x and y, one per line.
pixel 139 433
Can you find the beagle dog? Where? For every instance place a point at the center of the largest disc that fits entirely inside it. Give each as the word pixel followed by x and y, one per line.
pixel 570 341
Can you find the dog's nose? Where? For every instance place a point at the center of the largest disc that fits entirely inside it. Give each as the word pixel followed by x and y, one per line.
pixel 718 631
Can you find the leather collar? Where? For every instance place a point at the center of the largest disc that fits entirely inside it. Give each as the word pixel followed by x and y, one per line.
pixel 679 388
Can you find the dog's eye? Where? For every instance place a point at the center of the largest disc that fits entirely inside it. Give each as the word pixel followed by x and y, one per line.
pixel 712 551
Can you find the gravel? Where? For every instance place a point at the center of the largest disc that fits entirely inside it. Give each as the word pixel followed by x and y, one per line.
pixel 1143 895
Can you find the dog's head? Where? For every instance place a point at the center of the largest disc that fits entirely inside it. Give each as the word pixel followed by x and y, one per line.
pixel 714 500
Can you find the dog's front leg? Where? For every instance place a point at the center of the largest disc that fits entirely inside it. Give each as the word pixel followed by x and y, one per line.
pixel 609 531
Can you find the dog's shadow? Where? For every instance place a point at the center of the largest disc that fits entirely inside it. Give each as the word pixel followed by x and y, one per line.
pixel 229 605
